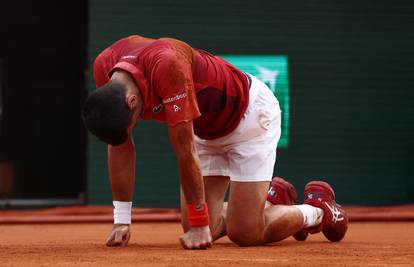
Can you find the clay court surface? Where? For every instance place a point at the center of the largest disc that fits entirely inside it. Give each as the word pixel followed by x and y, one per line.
pixel 156 244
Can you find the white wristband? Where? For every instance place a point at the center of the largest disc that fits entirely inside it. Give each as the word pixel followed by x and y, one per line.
pixel 122 212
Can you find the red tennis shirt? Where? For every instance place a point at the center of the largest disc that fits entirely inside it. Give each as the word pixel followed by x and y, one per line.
pixel 179 83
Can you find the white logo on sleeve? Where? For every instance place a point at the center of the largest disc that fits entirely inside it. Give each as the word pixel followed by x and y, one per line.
pixel 176 108
pixel 129 57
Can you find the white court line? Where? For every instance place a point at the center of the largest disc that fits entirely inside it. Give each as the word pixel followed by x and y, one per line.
pixel 391 264
pixel 233 259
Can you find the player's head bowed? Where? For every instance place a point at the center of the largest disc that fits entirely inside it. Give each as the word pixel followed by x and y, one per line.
pixel 106 114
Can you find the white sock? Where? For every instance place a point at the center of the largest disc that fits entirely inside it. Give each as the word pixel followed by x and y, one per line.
pixel 312 216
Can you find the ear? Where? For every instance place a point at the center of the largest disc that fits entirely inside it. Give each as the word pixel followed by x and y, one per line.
pixel 132 101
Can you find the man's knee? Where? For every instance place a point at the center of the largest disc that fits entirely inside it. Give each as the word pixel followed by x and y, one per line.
pixel 244 236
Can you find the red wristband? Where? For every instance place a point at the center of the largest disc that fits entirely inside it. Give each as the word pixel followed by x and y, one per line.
pixel 197 216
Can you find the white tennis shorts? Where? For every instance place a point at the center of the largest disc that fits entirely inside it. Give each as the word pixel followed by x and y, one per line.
pixel 247 154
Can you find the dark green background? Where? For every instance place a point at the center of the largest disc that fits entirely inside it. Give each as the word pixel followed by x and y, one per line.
pixel 351 89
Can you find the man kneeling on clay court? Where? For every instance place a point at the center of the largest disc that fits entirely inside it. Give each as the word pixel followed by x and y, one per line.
pixel 224 126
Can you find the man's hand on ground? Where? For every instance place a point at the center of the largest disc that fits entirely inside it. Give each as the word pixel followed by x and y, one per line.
pixel 119 236
pixel 197 238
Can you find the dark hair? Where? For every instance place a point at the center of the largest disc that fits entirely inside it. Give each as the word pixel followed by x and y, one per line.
pixel 106 114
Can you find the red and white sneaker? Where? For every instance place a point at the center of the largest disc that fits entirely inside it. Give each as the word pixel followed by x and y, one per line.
pixel 281 192
pixel 335 220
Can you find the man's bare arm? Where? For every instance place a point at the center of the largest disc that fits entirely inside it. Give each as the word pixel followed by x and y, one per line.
pixel 182 140
pixel 121 165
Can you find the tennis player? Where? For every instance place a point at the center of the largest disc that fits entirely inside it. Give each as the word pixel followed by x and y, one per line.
pixel 224 126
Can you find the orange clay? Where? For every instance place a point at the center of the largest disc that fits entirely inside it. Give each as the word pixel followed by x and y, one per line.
pixel 156 244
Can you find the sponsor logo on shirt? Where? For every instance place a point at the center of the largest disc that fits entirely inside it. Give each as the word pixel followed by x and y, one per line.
pixel 176 108
pixel 174 98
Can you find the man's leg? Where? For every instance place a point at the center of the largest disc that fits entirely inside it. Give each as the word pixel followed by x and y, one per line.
pixel 249 223
pixel 215 188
